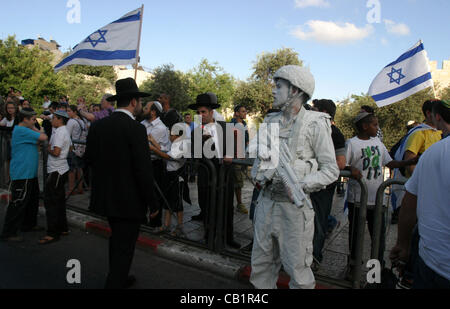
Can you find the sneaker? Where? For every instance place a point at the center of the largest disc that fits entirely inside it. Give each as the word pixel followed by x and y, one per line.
pixel 247 249
pixel 404 284
pixel 315 266
pixel 242 209
pixel 178 232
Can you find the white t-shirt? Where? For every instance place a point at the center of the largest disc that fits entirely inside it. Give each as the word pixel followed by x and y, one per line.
pixel 369 157
pixel 61 139
pixel 431 184
pixel 160 133
pixel 176 152
pixel 7 123
pixel 75 128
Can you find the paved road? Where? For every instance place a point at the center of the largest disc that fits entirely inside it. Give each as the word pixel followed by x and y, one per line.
pixel 30 266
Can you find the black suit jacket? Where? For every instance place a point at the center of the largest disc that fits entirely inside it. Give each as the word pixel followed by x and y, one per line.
pixel 122 178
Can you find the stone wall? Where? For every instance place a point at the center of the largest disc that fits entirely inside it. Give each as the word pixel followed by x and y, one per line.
pixel 441 77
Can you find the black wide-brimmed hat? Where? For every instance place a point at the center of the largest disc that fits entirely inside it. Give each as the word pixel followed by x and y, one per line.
pixel 127 88
pixel 208 99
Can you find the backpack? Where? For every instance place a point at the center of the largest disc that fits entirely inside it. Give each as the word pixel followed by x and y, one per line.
pixel 78 149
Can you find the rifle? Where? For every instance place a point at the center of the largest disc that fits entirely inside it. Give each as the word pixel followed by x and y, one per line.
pixel 290 180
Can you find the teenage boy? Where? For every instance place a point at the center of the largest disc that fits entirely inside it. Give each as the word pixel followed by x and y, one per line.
pixel 366 156
pixel 58 170
pixel 23 207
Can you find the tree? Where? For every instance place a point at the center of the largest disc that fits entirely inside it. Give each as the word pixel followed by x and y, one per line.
pixel 208 77
pixel 256 92
pixel 106 72
pixel 174 83
pixel 445 94
pixel 267 64
pixel 28 70
pixel 79 85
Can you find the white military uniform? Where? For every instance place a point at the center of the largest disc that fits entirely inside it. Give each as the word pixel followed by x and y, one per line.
pixel 284 232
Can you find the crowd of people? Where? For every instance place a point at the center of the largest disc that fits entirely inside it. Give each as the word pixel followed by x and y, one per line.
pixel 99 148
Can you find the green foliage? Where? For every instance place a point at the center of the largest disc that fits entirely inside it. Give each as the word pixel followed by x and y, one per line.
pixel 174 83
pixel 256 95
pixel 78 85
pixel 207 77
pixel 106 72
pixel 28 70
pixel 445 94
pixel 268 63
pixel 256 92
pixel 392 119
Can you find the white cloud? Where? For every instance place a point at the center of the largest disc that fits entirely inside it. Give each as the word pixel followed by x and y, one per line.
pixel 331 32
pixel 395 28
pixel 307 3
pixel 384 42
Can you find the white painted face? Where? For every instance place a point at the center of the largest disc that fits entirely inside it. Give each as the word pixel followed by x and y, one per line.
pixel 280 93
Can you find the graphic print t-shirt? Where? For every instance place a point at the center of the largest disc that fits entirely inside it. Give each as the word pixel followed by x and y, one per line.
pixel 369 157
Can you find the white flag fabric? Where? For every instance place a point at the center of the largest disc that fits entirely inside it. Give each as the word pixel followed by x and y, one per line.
pixel 114 44
pixel 402 78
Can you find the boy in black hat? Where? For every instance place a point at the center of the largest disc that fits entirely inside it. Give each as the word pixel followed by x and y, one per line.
pixel 205 105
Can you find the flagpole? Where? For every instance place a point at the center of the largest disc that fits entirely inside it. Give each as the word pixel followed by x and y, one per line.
pixel 139 43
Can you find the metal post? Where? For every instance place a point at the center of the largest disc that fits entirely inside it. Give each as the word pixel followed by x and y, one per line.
pixel 220 210
pixel 360 235
pixel 376 241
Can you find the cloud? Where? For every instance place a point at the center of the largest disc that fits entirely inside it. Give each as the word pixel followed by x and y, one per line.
pixel 384 42
pixel 315 3
pixel 397 29
pixel 331 32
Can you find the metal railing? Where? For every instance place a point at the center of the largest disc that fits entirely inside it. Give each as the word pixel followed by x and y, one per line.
pixel 379 210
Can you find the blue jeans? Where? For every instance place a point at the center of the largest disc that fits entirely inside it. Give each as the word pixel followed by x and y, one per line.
pixel 322 202
pixel 425 278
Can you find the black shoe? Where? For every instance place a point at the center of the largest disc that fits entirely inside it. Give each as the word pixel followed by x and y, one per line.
pixel 233 244
pixel 131 280
pixel 247 249
pixel 199 217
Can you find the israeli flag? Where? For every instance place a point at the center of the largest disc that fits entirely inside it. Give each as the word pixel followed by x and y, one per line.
pixel 402 78
pixel 114 44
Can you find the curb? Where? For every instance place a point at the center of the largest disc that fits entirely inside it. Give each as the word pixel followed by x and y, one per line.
pixel 178 252
pixel 172 250
pixel 4 197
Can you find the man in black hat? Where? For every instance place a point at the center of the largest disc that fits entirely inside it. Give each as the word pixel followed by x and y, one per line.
pixel 122 178
pixel 205 106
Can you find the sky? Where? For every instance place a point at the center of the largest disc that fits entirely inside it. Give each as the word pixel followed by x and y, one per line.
pixel 345 43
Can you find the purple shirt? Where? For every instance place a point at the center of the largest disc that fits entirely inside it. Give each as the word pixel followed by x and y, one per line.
pixel 103 113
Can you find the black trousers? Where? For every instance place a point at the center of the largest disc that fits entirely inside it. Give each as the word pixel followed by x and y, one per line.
pixel 353 215
pixel 322 202
pixel 204 191
pixel 23 208
pixel 122 244
pixel 159 169
pixel 55 204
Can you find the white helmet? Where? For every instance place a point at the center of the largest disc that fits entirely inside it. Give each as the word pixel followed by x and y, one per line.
pixel 299 77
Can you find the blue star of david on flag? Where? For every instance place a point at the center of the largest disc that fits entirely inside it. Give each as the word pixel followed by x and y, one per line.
pixel 400 76
pixel 101 39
